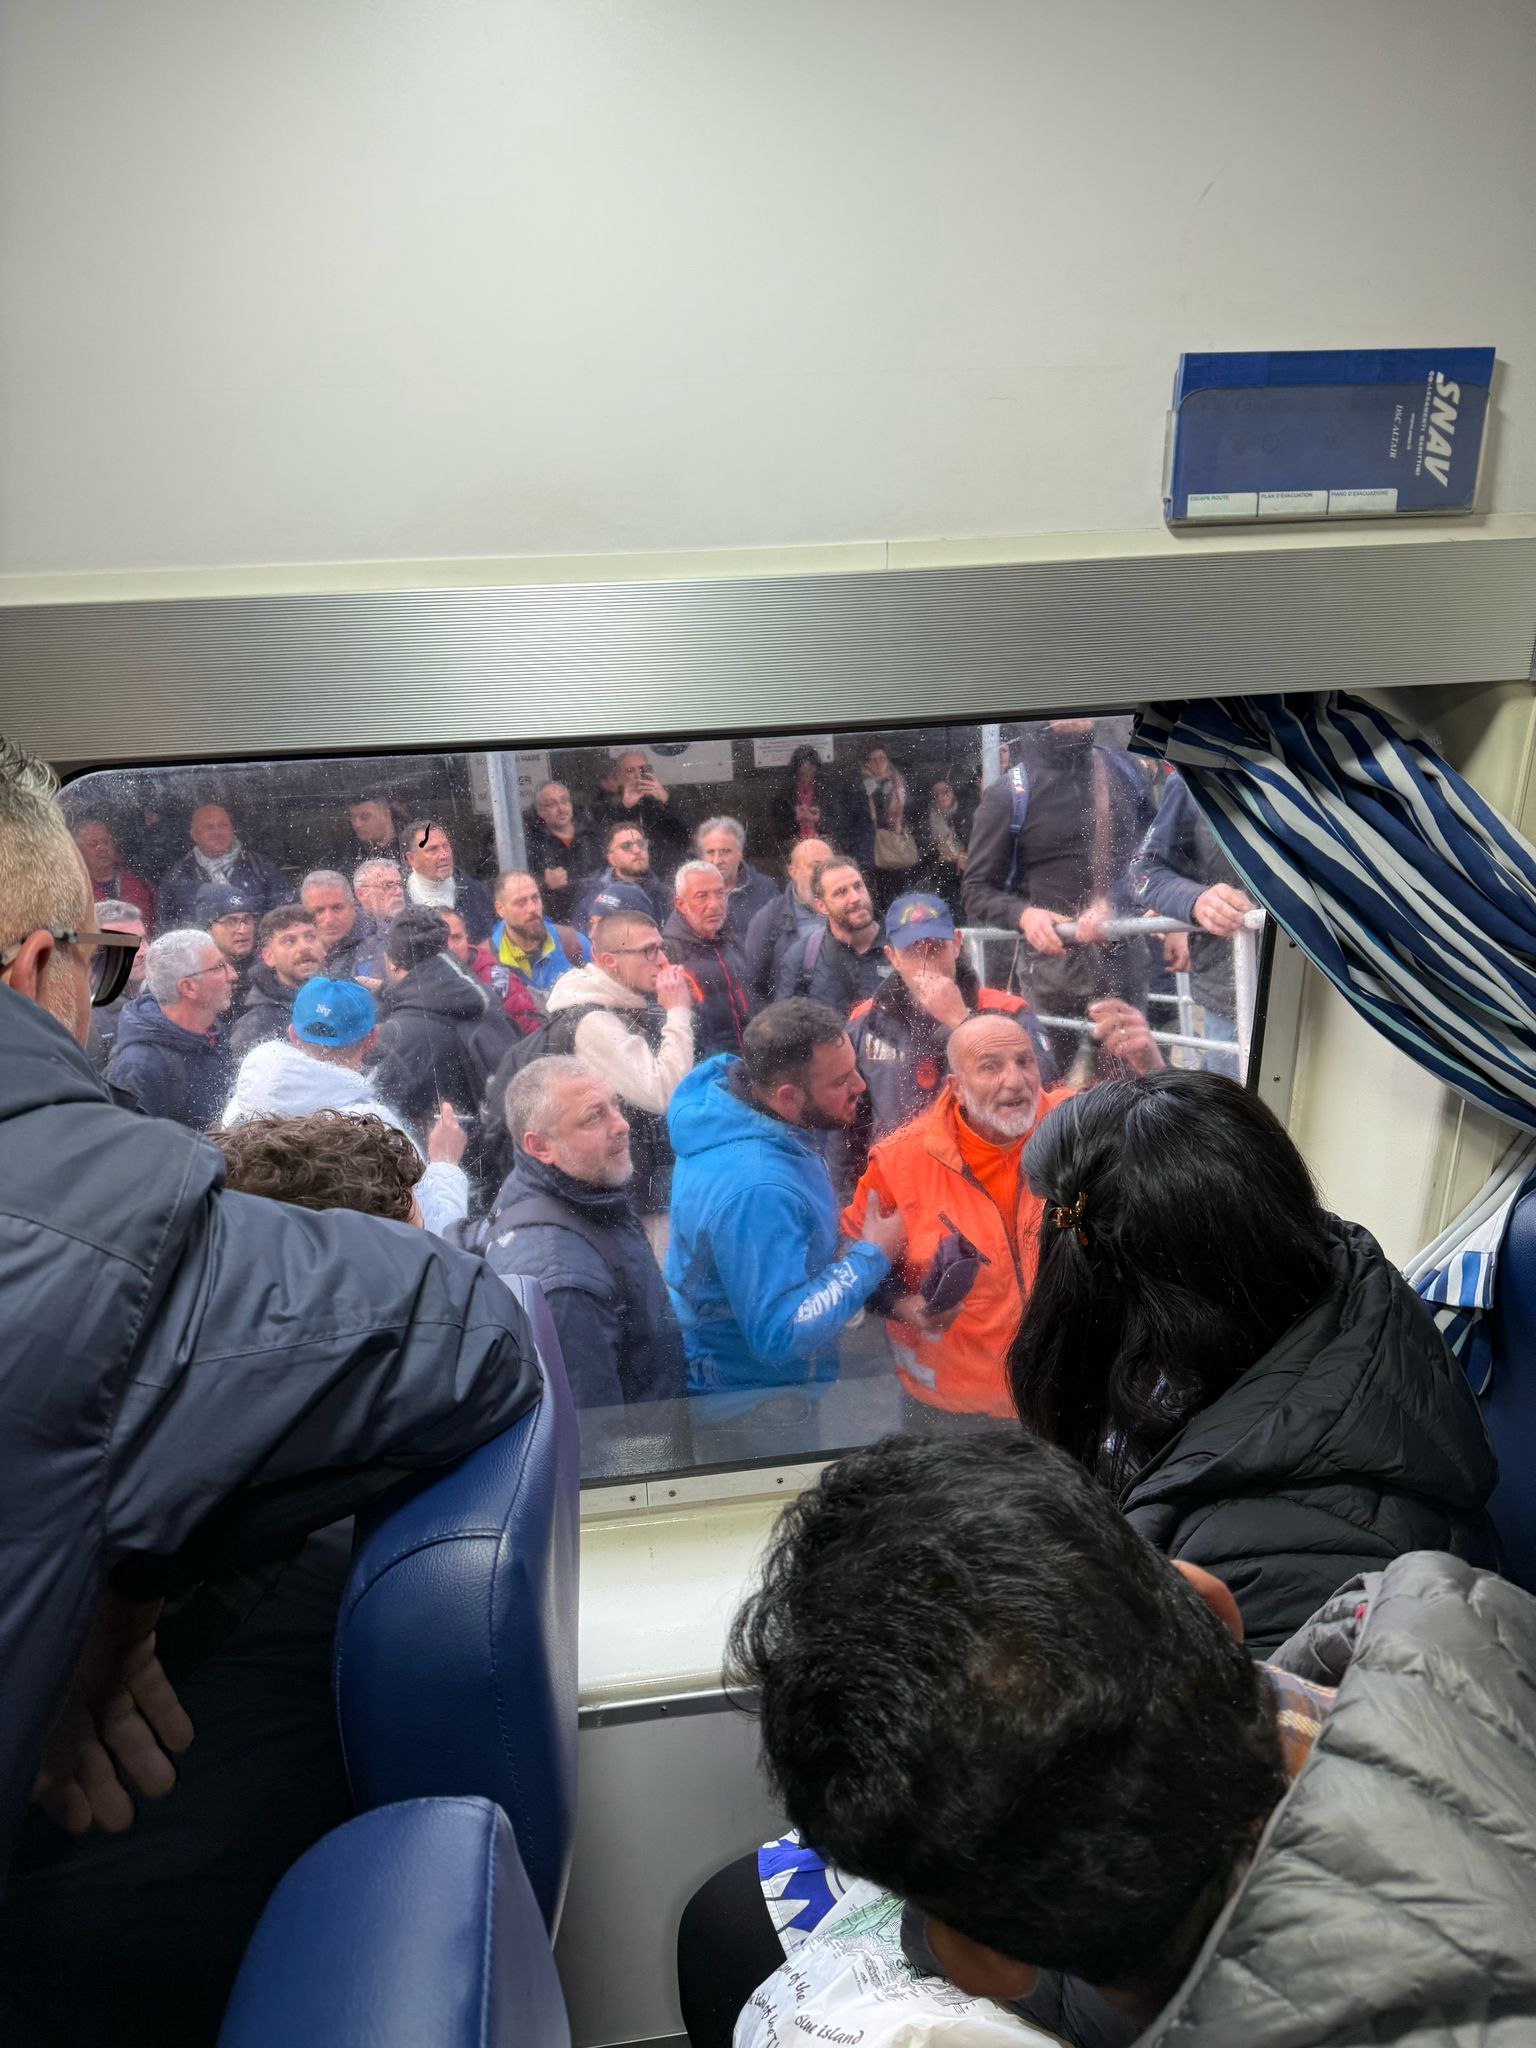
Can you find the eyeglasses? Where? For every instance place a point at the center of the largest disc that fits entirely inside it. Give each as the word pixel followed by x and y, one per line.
pixel 108 964
pixel 654 951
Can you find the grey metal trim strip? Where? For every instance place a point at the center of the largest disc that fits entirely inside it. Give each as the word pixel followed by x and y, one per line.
pixel 677 1706
pixel 194 679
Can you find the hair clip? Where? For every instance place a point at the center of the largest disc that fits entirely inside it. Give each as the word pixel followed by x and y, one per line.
pixel 1069 1216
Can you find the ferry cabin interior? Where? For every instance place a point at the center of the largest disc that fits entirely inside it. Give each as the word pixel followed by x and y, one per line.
pixel 476 379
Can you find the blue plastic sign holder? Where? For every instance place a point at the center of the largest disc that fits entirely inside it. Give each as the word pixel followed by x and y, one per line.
pixel 1326 434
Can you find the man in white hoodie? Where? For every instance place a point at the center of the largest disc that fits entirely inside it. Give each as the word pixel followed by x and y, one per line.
pixel 635 1030
pixel 319 1066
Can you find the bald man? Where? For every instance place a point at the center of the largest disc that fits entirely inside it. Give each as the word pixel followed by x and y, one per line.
pixel 217 854
pixel 955 1171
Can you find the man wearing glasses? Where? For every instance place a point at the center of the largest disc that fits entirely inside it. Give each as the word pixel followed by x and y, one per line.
pixel 171 1053
pixel 143 1307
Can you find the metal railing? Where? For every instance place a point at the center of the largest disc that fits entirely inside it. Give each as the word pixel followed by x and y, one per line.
pixel 1245 976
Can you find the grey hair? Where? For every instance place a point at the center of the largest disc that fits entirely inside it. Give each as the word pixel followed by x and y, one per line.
pixel 172 959
pixel 328 878
pixel 378 866
pixel 734 826
pixel 112 910
pixel 693 867
pixel 42 883
pixel 530 1099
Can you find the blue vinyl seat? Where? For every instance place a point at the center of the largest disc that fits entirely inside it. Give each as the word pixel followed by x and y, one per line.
pixel 455 1658
pixel 410 1927
pixel 1509 1402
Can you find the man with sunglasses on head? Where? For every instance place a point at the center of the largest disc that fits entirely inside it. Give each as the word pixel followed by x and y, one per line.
pixel 627 851
pixel 147 1447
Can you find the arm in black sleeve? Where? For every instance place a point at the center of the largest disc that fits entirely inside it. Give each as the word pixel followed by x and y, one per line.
pixel 294 1364
pixel 983 893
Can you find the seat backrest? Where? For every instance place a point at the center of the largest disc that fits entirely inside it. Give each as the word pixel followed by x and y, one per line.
pixel 411 1927
pixel 456 1645
pixel 1509 1403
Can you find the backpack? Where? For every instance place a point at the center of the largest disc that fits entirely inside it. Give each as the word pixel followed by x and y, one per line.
pixel 808 960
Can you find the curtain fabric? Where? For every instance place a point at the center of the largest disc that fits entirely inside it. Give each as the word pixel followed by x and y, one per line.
pixel 1456 1274
pixel 1413 896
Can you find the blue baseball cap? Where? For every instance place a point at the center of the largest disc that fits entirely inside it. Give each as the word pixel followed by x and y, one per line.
pixel 912 918
pixel 327 1012
pixel 617 896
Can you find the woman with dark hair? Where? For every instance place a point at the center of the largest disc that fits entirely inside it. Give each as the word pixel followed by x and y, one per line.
pixel 1262 1391
pixel 818 803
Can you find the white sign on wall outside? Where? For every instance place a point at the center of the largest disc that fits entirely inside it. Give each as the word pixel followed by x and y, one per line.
pixel 775 753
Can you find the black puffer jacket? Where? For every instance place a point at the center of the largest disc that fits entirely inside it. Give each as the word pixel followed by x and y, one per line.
pixel 440 1040
pixel 1354 1440
pixel 267 1014
pixel 1393 1897
pixel 718 970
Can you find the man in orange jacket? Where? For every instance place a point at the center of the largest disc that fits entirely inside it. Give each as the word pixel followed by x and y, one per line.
pixel 956 1170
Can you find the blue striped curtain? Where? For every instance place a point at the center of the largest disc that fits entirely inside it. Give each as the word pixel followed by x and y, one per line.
pixel 1415 898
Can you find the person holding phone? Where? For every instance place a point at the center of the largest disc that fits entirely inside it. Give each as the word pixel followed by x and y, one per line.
pixel 643 799
pixel 952 1175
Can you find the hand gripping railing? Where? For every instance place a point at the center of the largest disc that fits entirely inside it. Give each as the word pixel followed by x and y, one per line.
pixel 1245 974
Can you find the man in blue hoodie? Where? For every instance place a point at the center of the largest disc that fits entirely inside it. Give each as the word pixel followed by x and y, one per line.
pixel 762 1284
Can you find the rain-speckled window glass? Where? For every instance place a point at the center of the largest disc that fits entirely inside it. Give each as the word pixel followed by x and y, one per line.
pixel 731 1044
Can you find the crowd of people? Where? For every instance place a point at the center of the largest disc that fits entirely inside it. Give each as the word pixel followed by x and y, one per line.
pixel 1162 1402
pixel 646 945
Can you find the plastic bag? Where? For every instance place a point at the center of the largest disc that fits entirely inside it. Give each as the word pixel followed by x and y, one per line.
pixel 850 1984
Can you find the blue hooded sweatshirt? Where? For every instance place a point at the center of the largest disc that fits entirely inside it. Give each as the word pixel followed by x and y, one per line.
pixel 759 1286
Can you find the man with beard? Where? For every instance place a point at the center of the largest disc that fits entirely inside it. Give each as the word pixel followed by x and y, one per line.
pixel 840 965
pixel 761 1279
pixel 1053 840
pixel 291 951
pixel 954 1179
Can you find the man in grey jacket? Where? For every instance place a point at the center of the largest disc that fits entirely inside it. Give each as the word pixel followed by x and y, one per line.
pixel 982 1690
pixel 191 1380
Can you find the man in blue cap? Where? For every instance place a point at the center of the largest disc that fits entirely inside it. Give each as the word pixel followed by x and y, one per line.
pixel 901 1033
pixel 319 1065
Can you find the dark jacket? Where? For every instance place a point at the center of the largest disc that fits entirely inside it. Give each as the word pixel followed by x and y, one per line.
pixel 1176 863
pixel 168 1070
pixel 581 860
pixel 267 1013
pixel 1354 1440
pixel 836 976
pixel 441 1037
pixel 585 1247
pixel 1393 1896
pixel 779 924
pixel 252 874
pixel 663 824
pixel 171 1349
pixel 846 824
pixel 754 892
pixel 718 970
pixel 1059 861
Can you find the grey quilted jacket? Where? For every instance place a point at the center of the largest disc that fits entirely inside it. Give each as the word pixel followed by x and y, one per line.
pixel 1393 1895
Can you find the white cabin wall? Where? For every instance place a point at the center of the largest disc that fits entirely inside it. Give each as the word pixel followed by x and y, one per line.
pixel 399 280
